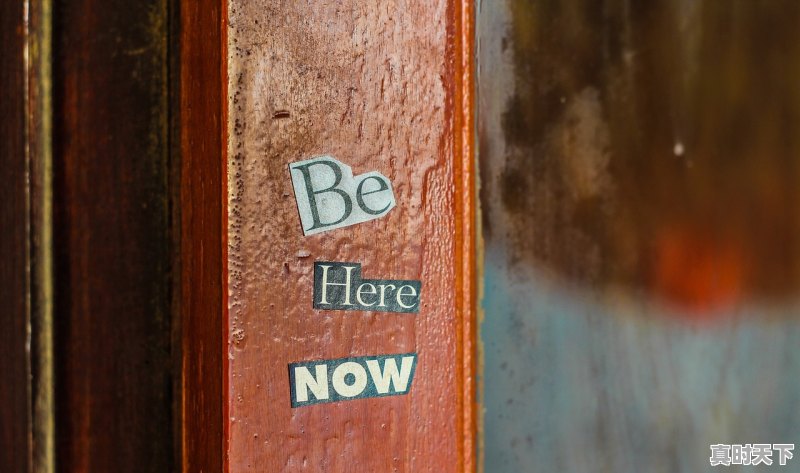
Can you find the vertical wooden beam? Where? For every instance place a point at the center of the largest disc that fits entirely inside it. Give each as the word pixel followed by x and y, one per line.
pixel 235 401
pixel 112 237
pixel 202 237
pixel 466 219
pixel 15 409
pixel 383 86
pixel 41 244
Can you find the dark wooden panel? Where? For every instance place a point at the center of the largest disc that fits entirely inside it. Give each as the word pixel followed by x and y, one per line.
pixel 202 204
pixel 112 238
pixel 15 440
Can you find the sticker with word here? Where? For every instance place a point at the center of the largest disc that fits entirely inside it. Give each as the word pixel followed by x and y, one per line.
pixel 329 197
pixel 338 286
pixel 315 382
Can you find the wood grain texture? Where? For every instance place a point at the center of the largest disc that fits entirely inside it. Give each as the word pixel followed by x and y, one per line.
pixel 379 87
pixel 15 409
pixel 466 222
pixel 40 232
pixel 112 234
pixel 202 235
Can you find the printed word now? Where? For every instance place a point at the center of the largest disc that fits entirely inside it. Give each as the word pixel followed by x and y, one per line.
pixel 314 382
pixel 329 197
pixel 338 286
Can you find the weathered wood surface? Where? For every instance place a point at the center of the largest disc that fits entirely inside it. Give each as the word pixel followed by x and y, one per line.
pixel 112 237
pixel 15 409
pixel 639 191
pixel 203 281
pixel 378 86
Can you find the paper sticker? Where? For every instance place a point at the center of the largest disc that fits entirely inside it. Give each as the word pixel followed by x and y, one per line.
pixel 314 382
pixel 329 197
pixel 338 286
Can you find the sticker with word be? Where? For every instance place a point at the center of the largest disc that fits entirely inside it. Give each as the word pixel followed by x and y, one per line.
pixel 315 382
pixel 329 197
pixel 338 286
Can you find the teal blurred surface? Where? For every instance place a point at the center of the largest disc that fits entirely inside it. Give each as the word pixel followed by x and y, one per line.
pixel 640 180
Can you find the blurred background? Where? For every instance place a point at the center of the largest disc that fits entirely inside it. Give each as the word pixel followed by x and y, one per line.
pixel 639 186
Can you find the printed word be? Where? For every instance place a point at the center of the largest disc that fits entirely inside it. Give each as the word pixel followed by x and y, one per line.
pixel 329 197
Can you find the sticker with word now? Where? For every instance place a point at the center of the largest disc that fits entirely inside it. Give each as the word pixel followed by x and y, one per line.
pixel 751 454
pixel 314 382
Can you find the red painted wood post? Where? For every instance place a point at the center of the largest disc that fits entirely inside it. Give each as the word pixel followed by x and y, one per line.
pixel 381 87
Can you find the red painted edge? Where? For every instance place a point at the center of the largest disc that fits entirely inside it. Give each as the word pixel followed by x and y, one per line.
pixel 202 307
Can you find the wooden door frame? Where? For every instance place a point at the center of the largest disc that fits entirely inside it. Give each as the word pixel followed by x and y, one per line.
pixel 203 310
pixel 45 207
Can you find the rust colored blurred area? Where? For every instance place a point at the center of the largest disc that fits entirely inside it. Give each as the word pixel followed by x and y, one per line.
pixel 653 146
